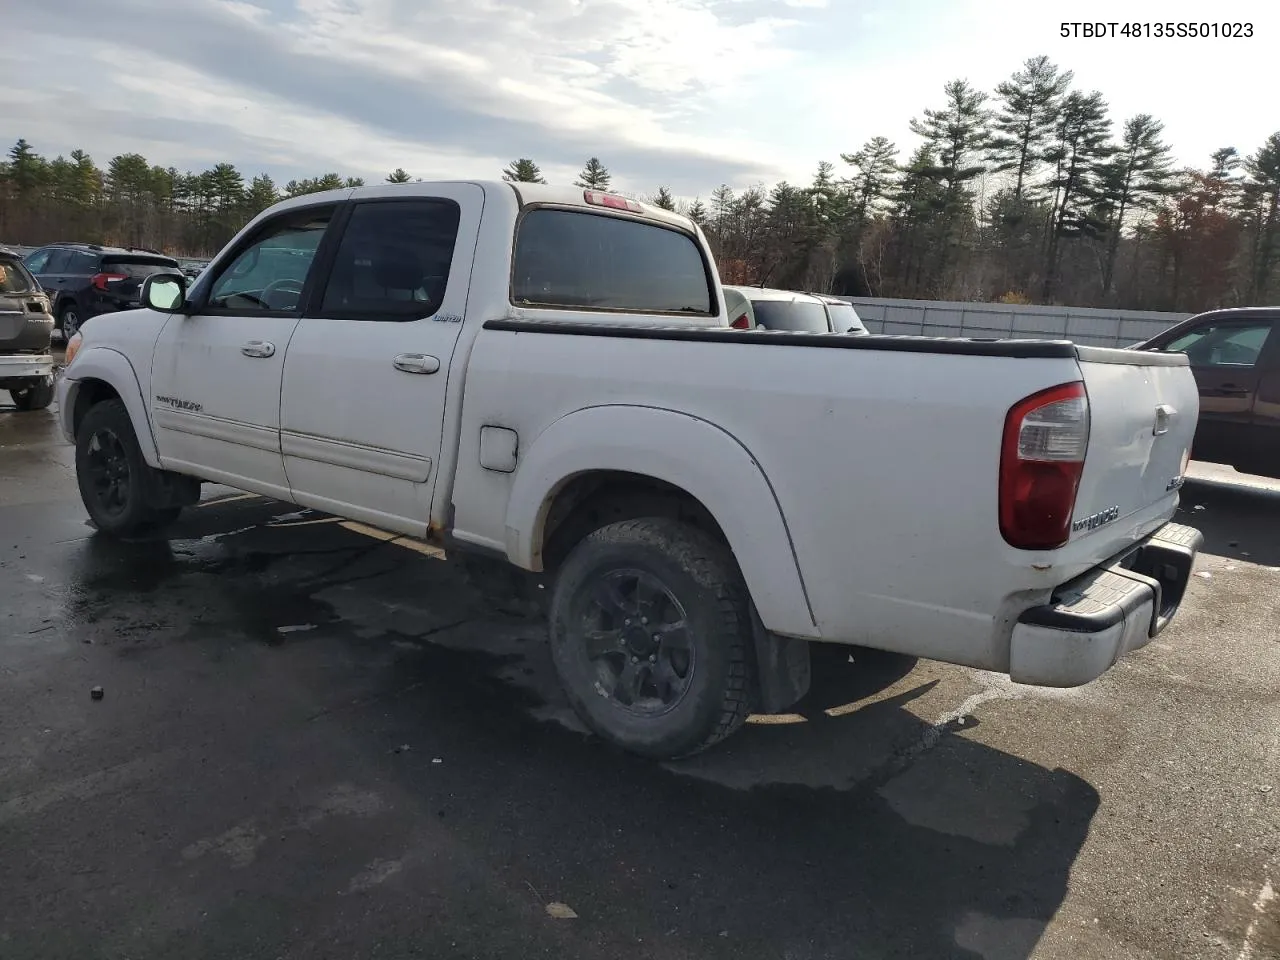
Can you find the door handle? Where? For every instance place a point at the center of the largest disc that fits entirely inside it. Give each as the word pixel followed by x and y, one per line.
pixel 259 348
pixel 416 363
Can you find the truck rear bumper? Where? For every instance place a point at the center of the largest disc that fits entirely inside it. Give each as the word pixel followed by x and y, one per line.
pixel 1094 620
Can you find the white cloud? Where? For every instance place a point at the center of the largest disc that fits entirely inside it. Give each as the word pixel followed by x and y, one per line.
pixel 685 92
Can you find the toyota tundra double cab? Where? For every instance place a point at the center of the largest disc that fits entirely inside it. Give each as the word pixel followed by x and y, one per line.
pixel 548 376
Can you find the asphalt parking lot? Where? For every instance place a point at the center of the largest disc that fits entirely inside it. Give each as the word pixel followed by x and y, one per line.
pixel 313 742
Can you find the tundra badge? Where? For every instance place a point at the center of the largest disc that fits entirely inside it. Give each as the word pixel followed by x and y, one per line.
pixel 1093 521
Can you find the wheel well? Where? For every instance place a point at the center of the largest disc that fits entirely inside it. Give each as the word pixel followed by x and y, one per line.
pixel 592 500
pixel 90 392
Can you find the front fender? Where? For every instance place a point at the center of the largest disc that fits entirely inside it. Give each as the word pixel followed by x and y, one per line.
pixel 113 368
pixel 698 457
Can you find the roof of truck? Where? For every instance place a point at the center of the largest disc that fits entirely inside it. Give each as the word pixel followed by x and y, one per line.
pixel 527 193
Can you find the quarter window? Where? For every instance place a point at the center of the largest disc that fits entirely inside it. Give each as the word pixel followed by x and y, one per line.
pixel 588 261
pixel 393 261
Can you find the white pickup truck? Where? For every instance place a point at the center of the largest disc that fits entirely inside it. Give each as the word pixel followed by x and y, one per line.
pixel 547 376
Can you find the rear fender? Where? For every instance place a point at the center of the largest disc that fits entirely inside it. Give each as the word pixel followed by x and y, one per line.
pixel 113 368
pixel 692 454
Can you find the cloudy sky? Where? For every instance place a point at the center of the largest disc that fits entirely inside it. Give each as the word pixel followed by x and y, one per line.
pixel 689 93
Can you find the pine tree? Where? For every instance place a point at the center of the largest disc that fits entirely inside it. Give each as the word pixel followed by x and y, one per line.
pixel 523 170
pixel 1135 179
pixel 1023 126
pixel 398 175
pixel 876 168
pixel 663 199
pixel 261 194
pixel 1078 155
pixel 958 135
pixel 1262 196
pixel 594 176
pixel 697 212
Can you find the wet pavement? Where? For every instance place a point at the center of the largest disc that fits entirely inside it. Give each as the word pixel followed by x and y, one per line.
pixel 316 743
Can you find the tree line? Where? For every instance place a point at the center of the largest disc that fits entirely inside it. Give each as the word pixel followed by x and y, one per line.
pixel 1027 194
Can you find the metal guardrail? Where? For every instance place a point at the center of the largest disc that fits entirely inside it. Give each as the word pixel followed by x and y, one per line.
pixel 1089 326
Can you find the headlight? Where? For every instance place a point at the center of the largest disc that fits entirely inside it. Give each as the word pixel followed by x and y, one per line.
pixel 73 345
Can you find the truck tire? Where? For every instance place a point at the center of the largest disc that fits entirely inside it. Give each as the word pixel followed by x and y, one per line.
pixel 34 396
pixel 650 631
pixel 115 481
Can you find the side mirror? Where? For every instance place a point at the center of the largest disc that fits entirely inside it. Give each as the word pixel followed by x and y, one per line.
pixel 165 292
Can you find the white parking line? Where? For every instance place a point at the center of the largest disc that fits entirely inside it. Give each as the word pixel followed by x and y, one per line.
pixel 399 540
pixel 229 499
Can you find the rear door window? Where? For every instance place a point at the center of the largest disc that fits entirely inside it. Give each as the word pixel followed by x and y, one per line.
pixel 393 261
pixel 58 261
pixel 586 261
pixel 80 264
pixel 808 316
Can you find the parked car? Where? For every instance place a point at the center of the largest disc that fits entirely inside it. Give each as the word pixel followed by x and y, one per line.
pixel 842 316
pixel 1235 358
pixel 763 308
pixel 26 326
pixel 572 402
pixel 85 279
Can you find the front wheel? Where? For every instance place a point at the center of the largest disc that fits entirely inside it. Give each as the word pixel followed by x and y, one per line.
pixel 36 395
pixel 650 622
pixel 114 479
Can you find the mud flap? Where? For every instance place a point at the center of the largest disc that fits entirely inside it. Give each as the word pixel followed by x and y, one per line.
pixel 783 670
pixel 166 489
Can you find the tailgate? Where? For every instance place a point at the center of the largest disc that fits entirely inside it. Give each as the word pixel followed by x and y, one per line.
pixel 1142 418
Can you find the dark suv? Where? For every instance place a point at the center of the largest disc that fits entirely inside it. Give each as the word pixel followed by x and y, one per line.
pixel 84 279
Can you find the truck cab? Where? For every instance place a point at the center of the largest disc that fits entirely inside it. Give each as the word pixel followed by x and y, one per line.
pixel 1235 358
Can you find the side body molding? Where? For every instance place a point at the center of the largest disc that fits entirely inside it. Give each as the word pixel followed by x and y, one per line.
pixel 693 454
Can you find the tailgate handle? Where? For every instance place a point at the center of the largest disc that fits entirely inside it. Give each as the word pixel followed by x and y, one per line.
pixel 1164 413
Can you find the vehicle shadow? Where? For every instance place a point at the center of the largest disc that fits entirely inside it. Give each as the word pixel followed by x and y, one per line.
pixel 1237 520
pixel 857 830
pixel 870 833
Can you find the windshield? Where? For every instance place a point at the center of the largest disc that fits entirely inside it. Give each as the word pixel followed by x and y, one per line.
pixel 137 268
pixel 844 318
pixel 805 315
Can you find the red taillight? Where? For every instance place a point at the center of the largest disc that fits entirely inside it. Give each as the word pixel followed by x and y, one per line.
pixel 1041 460
pixel 599 199
pixel 742 323
pixel 100 280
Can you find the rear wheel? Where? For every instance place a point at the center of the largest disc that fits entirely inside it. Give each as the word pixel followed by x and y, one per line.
pixel 37 395
pixel 68 321
pixel 650 622
pixel 115 481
